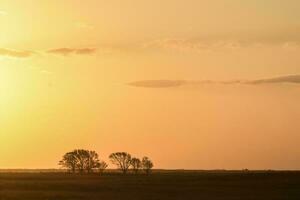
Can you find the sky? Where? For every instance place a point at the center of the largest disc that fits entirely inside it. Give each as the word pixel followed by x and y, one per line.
pixel 192 84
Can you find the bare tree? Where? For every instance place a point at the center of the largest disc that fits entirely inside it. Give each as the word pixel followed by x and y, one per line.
pixel 82 157
pixel 81 160
pixel 92 161
pixel 147 165
pixel 136 165
pixel 69 161
pixel 102 166
pixel 122 160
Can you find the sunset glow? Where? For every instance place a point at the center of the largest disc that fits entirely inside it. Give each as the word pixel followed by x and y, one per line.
pixel 194 84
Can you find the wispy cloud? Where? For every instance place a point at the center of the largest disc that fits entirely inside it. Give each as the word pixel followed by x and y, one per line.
pixel 283 38
pixel 294 79
pixel 194 44
pixel 72 51
pixel 281 79
pixel 15 53
pixel 158 83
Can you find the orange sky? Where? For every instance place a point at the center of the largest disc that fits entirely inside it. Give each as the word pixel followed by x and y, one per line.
pixel 218 82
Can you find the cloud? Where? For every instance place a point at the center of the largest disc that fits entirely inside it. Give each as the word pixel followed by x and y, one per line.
pixel 158 83
pixel 294 79
pixel 179 44
pixel 200 45
pixel 15 53
pixel 72 51
pixel 287 38
pixel 85 51
pixel 281 79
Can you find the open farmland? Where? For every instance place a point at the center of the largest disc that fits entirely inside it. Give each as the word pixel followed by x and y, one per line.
pixel 159 185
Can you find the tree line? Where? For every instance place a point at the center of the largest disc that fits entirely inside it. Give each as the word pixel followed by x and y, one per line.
pixel 85 161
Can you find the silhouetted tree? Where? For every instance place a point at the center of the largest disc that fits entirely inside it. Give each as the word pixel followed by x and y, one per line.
pixel 102 166
pixel 147 165
pixel 81 160
pixel 122 160
pixel 69 161
pixel 82 157
pixel 136 165
pixel 92 161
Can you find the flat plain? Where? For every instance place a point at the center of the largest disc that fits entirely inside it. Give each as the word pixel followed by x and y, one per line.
pixel 160 185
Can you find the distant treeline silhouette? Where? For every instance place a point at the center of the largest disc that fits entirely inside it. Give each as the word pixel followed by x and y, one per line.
pixel 85 161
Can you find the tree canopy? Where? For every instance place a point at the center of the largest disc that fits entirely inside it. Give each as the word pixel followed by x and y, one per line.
pixel 122 160
pixel 86 161
pixel 82 161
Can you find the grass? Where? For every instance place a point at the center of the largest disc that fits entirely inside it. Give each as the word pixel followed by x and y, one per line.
pixel 162 185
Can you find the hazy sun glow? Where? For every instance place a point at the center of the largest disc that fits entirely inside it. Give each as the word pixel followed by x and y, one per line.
pixel 69 72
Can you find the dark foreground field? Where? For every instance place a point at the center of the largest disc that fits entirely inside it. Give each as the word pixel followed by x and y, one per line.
pixel 160 185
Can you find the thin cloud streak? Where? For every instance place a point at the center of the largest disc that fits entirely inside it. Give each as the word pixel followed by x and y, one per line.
pixel 281 79
pixel 72 51
pixel 158 83
pixel 15 53
pixel 285 39
pixel 293 79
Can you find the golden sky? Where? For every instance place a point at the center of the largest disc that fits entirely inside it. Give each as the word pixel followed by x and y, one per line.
pixel 190 83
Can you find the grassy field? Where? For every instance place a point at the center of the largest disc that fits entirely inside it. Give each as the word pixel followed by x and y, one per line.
pixel 162 185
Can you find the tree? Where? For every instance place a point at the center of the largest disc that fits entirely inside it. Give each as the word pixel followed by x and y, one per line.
pixel 147 165
pixel 102 166
pixel 69 161
pixel 136 164
pixel 122 160
pixel 82 157
pixel 80 160
pixel 92 161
